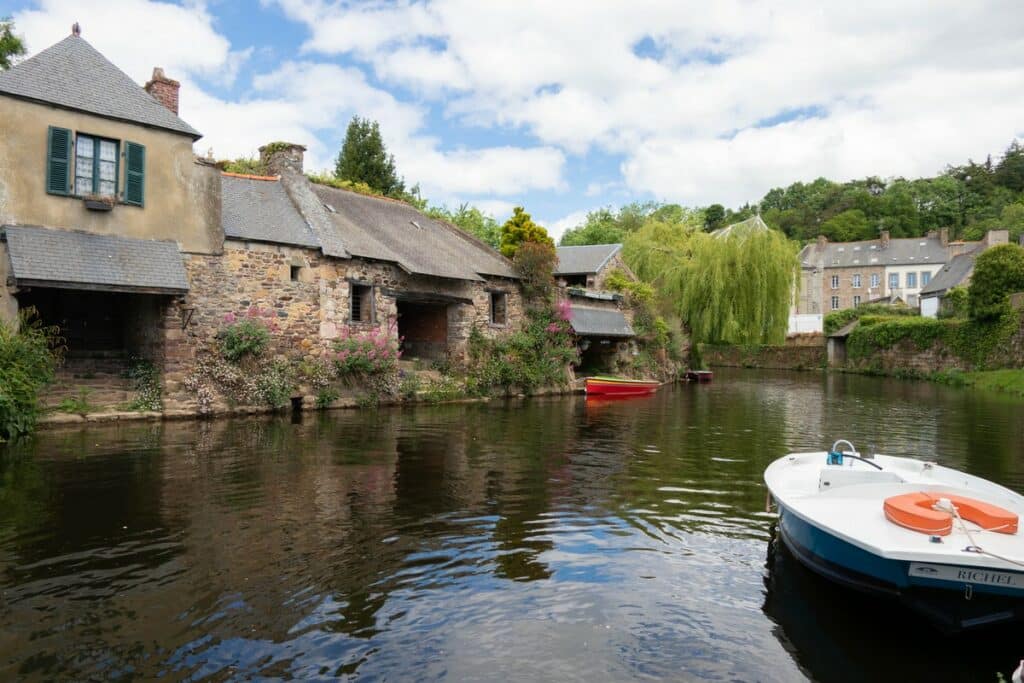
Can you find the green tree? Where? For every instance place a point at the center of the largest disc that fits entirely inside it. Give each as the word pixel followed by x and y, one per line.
pixel 365 159
pixel 11 46
pixel 1009 172
pixel 848 226
pixel 520 228
pixel 713 217
pixel 734 288
pixel 472 220
pixel 998 272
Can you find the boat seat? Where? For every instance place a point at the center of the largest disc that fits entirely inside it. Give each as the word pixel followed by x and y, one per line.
pixel 837 477
pixel 916 511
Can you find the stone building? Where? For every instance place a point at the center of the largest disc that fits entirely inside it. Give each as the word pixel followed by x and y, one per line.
pixel 115 231
pixel 601 320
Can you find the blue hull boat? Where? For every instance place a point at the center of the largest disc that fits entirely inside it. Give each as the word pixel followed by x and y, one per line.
pixel 840 516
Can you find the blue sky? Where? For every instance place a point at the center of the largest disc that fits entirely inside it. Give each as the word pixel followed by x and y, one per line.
pixel 566 107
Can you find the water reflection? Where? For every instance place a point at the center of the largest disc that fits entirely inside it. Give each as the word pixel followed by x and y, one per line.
pixel 546 539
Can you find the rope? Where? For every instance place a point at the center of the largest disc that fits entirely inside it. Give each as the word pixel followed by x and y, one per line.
pixel 946 505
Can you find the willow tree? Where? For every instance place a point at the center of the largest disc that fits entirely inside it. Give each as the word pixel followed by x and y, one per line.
pixel 731 286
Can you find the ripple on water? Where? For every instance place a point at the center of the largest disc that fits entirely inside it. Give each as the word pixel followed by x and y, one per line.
pixel 550 540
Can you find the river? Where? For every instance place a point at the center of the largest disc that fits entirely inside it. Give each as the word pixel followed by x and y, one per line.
pixel 546 539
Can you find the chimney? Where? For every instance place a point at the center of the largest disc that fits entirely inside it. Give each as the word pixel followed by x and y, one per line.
pixel 944 237
pixel 282 157
pixel 822 242
pixel 994 237
pixel 885 239
pixel 164 90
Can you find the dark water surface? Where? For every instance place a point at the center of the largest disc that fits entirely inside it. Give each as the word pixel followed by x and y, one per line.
pixel 542 540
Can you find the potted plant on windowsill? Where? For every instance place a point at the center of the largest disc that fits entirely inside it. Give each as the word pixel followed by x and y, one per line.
pixel 97 202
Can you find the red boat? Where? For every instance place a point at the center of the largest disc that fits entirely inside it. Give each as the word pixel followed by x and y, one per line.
pixel 616 386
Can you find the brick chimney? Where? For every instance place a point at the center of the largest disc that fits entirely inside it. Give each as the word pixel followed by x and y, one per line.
pixel 885 239
pixel 822 242
pixel 944 237
pixel 282 157
pixel 164 89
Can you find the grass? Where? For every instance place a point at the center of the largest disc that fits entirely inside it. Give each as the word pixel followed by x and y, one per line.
pixel 1005 381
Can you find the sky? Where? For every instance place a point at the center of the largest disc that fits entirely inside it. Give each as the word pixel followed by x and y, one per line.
pixel 564 107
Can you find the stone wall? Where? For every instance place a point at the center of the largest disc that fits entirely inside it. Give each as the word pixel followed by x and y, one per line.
pixel 806 352
pixel 614 263
pixel 308 313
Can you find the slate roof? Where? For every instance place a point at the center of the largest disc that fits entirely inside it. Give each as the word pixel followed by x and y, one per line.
pixel 951 275
pixel 900 252
pixel 74 75
pixel 585 260
pixel 599 322
pixel 393 231
pixel 78 260
pixel 260 210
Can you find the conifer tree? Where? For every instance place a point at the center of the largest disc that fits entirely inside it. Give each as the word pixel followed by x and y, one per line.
pixel 365 159
pixel 520 228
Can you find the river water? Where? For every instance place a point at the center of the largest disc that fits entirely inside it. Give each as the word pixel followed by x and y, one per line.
pixel 548 539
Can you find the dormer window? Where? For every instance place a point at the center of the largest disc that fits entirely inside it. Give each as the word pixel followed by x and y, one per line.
pixel 96 164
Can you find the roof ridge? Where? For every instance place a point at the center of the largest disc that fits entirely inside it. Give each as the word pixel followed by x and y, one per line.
pixel 250 176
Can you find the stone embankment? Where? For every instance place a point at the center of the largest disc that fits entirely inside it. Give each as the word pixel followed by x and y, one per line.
pixel 801 352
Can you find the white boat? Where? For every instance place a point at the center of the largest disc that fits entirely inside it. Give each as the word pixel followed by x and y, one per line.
pixel 943 542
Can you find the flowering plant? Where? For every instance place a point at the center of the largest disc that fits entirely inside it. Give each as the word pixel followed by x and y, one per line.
pixel 249 336
pixel 372 352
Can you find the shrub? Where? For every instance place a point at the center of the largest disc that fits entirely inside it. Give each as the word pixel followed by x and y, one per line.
pixel 536 356
pixel 28 359
pixel 275 384
pixel 249 336
pixel 998 272
pixel 535 262
pixel 838 319
pixel 374 352
pixel 146 383
pixel 954 304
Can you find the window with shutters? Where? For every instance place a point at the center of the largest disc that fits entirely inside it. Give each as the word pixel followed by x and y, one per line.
pixel 96 165
pixel 81 165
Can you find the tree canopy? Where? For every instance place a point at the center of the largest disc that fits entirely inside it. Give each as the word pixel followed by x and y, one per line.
pixel 728 287
pixel 472 220
pixel 998 272
pixel 11 46
pixel 365 159
pixel 520 228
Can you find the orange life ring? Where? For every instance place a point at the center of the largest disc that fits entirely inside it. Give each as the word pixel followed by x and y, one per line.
pixel 916 511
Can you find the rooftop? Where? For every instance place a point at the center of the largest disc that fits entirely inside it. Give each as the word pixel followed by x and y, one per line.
pixel 585 260
pixel 72 74
pixel 952 274
pixel 258 208
pixel 899 252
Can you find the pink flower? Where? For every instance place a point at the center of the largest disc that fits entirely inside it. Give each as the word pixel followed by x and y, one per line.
pixel 554 328
pixel 563 309
pixel 229 318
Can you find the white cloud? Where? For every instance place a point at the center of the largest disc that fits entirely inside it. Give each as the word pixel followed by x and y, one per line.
pixel 558 227
pixel 137 35
pixel 894 88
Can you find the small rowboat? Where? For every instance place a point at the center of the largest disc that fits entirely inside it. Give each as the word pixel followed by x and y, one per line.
pixel 616 386
pixel 700 376
pixel 942 542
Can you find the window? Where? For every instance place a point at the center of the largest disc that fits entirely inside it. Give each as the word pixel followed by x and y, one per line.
pixel 874 280
pixel 926 277
pixel 95 166
pixel 856 301
pixel 499 308
pixel 835 303
pixel 361 303
pixel 856 281
pixel 894 280
pixel 911 280
pixel 835 282
pixel 294 272
pixel 80 164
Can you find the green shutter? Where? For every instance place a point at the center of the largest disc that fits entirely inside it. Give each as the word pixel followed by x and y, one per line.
pixel 58 160
pixel 134 174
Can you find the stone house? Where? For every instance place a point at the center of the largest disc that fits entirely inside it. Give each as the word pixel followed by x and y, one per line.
pixel 840 275
pixel 957 273
pixel 603 323
pixel 115 231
